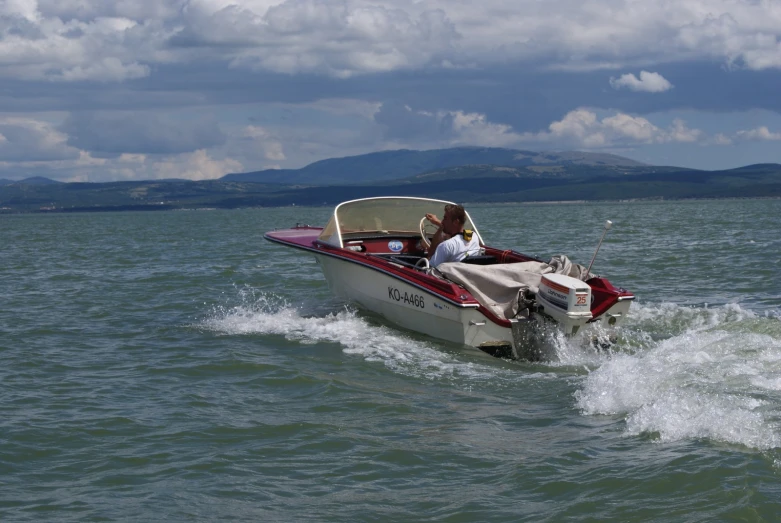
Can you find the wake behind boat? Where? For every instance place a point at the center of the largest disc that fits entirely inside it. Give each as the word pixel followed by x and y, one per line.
pixel 372 253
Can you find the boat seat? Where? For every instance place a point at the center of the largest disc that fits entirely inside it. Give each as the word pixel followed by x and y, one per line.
pixel 480 259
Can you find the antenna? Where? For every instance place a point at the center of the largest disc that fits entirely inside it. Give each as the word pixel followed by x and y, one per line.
pixel 608 225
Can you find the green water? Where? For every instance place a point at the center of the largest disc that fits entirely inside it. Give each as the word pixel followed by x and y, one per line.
pixel 176 366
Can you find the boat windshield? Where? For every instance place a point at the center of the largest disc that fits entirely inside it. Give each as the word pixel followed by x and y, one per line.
pixel 385 216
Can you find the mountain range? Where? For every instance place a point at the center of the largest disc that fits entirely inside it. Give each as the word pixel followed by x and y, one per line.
pixel 465 174
pixel 393 165
pixel 34 180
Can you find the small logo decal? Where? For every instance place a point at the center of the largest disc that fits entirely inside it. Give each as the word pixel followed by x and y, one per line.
pixel 395 246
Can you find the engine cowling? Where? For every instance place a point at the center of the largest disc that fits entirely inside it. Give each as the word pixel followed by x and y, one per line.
pixel 566 300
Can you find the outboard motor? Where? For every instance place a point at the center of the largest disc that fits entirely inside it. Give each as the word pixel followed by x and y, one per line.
pixel 566 300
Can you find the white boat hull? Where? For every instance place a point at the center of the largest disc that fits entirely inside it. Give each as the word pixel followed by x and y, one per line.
pixel 410 306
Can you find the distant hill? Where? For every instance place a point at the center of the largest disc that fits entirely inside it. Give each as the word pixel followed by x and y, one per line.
pixel 548 172
pixel 34 180
pixel 394 165
pixel 668 183
pixel 464 184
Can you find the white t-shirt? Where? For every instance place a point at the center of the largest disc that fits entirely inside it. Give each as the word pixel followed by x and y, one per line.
pixel 455 249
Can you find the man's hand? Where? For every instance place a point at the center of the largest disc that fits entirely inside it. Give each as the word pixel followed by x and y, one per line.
pixel 433 219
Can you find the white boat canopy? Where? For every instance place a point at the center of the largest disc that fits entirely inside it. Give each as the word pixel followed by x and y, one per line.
pixel 392 216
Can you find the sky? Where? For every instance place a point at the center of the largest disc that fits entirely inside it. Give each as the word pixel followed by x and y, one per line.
pixel 113 90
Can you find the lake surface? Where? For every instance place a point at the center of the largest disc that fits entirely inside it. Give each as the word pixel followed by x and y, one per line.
pixel 177 366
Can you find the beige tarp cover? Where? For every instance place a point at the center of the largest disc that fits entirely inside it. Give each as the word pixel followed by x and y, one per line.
pixel 500 287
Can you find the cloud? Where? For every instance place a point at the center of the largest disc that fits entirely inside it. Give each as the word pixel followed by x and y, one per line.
pixel 342 39
pixel 198 165
pixel 401 122
pixel 24 9
pixel 85 10
pixel 37 46
pixel 582 128
pixel 678 132
pixel 760 134
pixel 194 166
pixel 720 139
pixel 31 146
pixel 120 40
pixel 648 82
pixel 745 34
pixel 442 128
pixel 266 142
pixel 107 69
pixel 475 129
pixel 579 129
pixel 29 140
pixel 118 132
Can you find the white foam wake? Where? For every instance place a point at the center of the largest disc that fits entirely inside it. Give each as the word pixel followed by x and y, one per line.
pixel 264 313
pixel 717 375
pixel 677 372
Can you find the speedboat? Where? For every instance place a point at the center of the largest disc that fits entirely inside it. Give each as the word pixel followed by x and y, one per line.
pixel 373 253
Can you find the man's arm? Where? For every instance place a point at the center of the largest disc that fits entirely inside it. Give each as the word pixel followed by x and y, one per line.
pixel 438 238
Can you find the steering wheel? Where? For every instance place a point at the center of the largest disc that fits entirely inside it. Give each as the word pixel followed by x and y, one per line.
pixel 423 264
pixel 423 236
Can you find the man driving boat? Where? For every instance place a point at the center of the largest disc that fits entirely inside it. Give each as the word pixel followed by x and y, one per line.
pixel 451 242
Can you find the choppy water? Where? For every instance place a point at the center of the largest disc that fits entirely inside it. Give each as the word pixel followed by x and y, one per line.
pixel 177 366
